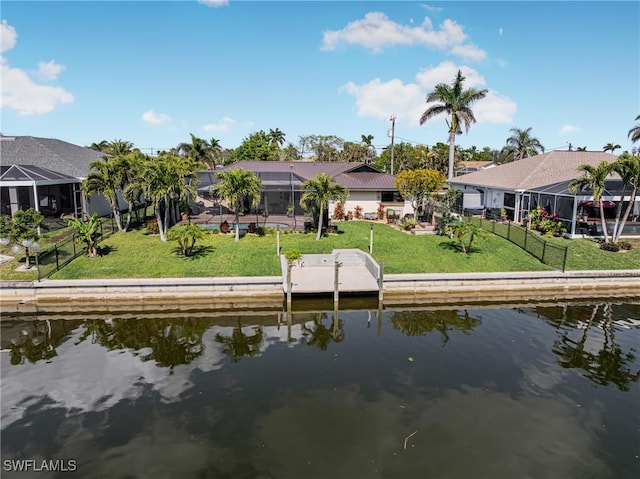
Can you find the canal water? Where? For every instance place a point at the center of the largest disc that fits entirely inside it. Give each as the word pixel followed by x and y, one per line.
pixel 477 391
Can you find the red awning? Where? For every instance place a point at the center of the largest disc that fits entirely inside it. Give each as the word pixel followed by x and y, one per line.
pixel 593 204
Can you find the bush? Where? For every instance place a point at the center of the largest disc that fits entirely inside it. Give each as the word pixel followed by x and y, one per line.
pixel 261 230
pixel 615 247
pixel 293 255
pixel 152 226
pixel 338 211
pixel 625 245
pixel 407 224
pixel 380 211
pixel 357 212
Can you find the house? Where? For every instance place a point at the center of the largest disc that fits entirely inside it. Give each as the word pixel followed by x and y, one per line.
pixel 543 180
pixel 466 167
pixel 46 174
pixel 282 184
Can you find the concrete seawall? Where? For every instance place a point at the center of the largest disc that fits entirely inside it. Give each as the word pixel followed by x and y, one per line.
pixel 266 292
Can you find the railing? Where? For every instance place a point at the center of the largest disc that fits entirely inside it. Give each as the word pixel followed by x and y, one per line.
pixel 63 252
pixel 550 254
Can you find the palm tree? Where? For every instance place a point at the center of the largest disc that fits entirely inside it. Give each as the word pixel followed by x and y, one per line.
pixel 595 178
pixel 118 147
pixel 611 147
pixel 523 144
pixel 106 177
pixel 454 101
pixel 240 344
pixel 634 133
pixel 87 232
pixel 199 150
pixel 276 137
pixel 318 191
pixel 234 186
pixel 628 167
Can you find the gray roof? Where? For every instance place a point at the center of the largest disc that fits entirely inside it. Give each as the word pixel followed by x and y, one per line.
pixel 355 176
pixel 535 171
pixel 56 155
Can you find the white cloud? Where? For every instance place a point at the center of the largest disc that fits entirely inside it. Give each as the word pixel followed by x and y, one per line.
pixel 429 8
pixel 378 99
pixel 376 31
pixel 18 92
pixel 49 70
pixel 223 125
pixel 153 118
pixel 568 129
pixel 214 3
pixel 8 36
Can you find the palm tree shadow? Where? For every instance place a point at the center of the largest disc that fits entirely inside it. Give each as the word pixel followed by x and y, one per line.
pixel 198 252
pixel 106 250
pixel 453 246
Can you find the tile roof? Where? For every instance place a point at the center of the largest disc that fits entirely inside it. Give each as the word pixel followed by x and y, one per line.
pixel 56 155
pixel 535 171
pixel 355 176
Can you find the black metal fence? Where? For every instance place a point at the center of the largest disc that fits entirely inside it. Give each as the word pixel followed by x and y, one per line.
pixel 550 254
pixel 63 252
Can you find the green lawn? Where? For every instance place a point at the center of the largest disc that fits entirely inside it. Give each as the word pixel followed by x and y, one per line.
pixel 136 254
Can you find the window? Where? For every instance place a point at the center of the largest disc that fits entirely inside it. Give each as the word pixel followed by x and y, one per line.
pixel 390 197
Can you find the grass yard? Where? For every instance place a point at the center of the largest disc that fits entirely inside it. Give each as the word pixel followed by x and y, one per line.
pixel 137 254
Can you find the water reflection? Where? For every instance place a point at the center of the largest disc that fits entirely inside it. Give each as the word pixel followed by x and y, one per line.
pixel 550 389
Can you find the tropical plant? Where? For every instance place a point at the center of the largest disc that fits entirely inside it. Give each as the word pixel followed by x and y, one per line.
pixel 87 231
pixel 276 137
pixel 594 177
pixel 165 181
pixel 186 236
pixel 357 212
pixel 23 230
pixel 464 234
pixel 338 211
pixel 628 167
pixel 106 177
pixel 201 150
pixel 456 102
pixel 235 185
pixel 612 147
pixel 634 133
pixel 419 186
pixel 318 191
pixel 293 255
pixel 522 145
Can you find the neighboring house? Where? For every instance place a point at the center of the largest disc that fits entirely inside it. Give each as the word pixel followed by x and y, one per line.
pixel 46 174
pixel 543 180
pixel 282 184
pixel 466 167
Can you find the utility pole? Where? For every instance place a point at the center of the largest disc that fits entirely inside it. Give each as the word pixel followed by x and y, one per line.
pixel 393 131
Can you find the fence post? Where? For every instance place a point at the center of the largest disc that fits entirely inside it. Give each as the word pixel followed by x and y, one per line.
pixel 544 249
pixel 526 233
pixel 74 244
pixel 55 248
pixel 38 265
pixel 509 231
pixel 564 261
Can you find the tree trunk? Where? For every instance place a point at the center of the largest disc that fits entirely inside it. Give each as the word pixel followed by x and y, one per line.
pixel 627 212
pixel 320 223
pixel 160 226
pixel 604 222
pixel 237 221
pixel 452 149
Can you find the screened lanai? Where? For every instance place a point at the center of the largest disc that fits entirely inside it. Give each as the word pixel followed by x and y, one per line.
pixel 29 186
pixel 579 213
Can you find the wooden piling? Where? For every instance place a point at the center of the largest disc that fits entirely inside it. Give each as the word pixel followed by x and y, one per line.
pixel 336 293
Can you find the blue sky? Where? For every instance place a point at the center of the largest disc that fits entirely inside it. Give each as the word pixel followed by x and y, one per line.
pixel 152 72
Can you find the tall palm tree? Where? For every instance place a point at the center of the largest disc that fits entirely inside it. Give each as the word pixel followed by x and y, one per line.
pixel 106 177
pixel 276 137
pixel 634 133
pixel 523 144
pixel 628 167
pixel 318 191
pixel 455 101
pixel 611 147
pixel 118 147
pixel 595 178
pixel 199 150
pixel 234 186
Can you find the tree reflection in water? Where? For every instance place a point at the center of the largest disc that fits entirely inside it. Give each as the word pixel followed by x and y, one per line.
pixel 609 365
pixel 39 339
pixel 320 335
pixel 239 344
pixel 172 341
pixel 422 323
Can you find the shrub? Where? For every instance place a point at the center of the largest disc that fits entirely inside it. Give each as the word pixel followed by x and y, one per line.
pixel 407 224
pixel 625 245
pixel 615 247
pixel 152 226
pixel 186 236
pixel 380 211
pixel 293 255
pixel 357 212
pixel 261 230
pixel 338 211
